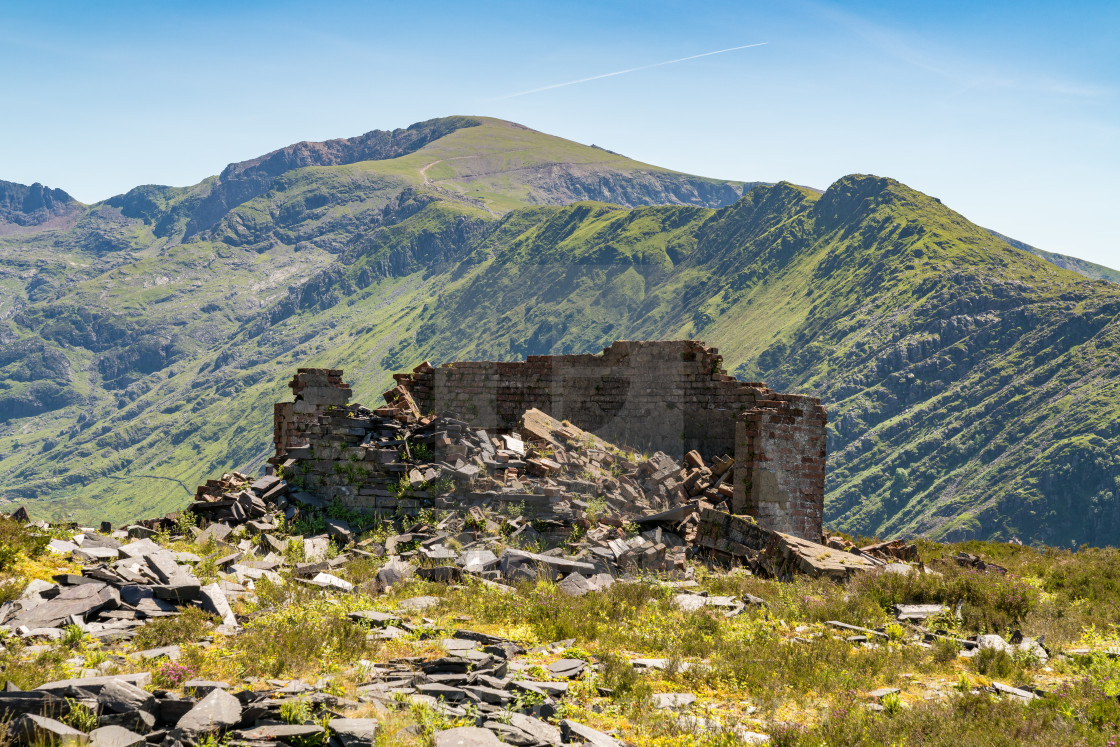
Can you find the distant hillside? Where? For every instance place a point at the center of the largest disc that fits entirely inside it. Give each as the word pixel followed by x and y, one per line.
pixel 972 387
pixel 1080 266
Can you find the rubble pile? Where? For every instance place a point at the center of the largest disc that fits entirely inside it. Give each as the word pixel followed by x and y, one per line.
pixel 482 678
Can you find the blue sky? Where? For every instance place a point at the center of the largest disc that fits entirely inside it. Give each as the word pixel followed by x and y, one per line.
pixel 1007 111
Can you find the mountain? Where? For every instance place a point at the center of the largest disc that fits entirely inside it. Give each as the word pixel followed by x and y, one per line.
pixel 972 386
pixel 1080 266
pixel 24 209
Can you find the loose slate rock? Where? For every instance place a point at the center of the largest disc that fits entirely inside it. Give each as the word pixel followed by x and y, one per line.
pixel 204 687
pixel 214 601
pixel 673 701
pixel 15 703
pixel 95 684
pixel 286 733
pixel 467 736
pixel 120 696
pixel 541 731
pixel 328 581
pixel 570 668
pixel 82 600
pixel 354 732
pixel 572 731
pixel 418 603
pixel 394 572
pixel 373 617
pixel 217 711
pixel 34 729
pixel 114 736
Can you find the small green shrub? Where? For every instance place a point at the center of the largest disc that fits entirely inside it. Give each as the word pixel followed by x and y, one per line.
pixel 295 712
pixel 993 663
pixel 80 716
pixel 188 626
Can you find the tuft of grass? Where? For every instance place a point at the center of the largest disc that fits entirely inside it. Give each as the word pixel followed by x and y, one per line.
pixel 188 626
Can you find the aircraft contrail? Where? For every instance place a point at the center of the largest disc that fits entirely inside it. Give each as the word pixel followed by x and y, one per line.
pixel 628 70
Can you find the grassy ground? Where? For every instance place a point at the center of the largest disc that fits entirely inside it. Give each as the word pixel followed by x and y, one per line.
pixel 775 669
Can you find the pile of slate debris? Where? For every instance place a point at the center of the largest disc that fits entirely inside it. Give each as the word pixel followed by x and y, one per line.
pixel 649 527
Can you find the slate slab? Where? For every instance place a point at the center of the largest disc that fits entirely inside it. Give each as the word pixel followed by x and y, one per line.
pixel 114 736
pixel 214 601
pixel 570 668
pixel 394 572
pixel 327 581
pixel 571 731
pixel 354 732
pixel 139 548
pixel 95 684
pixel 216 712
pixel 373 617
pixel 81 601
pixel 120 696
pixel 467 736
pixel 34 729
pixel 287 733
pixel 673 701
pixel 141 722
pixel 15 703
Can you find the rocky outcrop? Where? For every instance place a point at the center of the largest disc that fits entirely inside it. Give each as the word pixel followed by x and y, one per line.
pixel 29 206
pixel 241 182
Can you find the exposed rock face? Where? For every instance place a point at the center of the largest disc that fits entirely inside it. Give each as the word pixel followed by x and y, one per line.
pixel 28 206
pixel 241 182
pixel 562 184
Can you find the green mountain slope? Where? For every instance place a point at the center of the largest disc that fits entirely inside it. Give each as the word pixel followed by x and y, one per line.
pixel 971 386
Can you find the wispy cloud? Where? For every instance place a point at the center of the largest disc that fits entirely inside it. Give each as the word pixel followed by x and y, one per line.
pixel 954 65
pixel 624 72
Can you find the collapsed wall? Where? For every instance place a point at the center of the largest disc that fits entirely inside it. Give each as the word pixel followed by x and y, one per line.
pixel 662 396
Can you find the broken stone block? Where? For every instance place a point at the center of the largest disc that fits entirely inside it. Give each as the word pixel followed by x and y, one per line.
pixel 328 581
pixel 79 602
pixel 96 683
pixel 419 604
pixel 114 736
pixel 140 722
pixel 214 601
pixel 339 531
pixel 121 696
pixel 478 560
pixel 61 547
pixel 216 532
pixel 286 733
pixel 216 712
pixel 33 729
pixel 511 559
pixel 466 736
pixel 673 701
pixel 394 572
pixel 139 548
pixel 572 731
pixel 569 668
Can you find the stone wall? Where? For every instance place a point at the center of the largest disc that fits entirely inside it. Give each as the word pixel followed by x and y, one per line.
pixel 316 390
pixel 670 397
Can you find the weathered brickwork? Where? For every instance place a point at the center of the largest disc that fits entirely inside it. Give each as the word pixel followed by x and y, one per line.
pixel 315 390
pixel 668 396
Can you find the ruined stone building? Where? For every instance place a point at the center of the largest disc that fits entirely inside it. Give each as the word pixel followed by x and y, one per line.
pixel 667 396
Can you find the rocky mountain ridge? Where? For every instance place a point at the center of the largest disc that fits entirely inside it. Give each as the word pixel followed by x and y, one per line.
pixel 970 386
